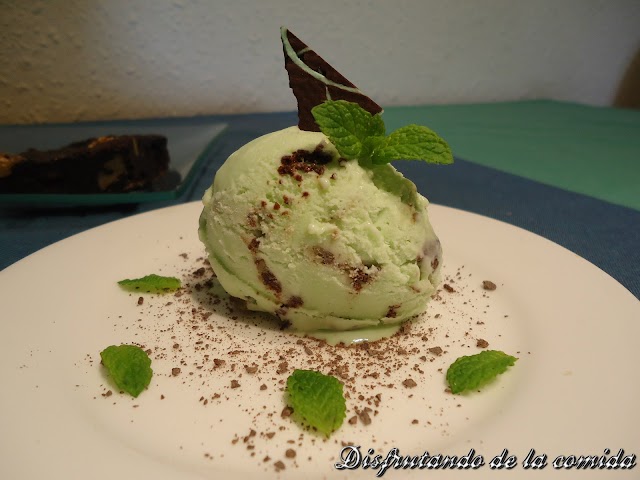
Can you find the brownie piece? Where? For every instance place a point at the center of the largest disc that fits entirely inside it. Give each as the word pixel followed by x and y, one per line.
pixel 109 164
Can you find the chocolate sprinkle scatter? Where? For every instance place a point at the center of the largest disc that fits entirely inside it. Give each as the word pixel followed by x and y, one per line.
pixel 228 357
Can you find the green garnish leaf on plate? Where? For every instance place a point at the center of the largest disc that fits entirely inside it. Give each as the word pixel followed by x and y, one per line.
pixel 358 135
pixel 129 367
pixel 151 284
pixel 317 399
pixel 472 371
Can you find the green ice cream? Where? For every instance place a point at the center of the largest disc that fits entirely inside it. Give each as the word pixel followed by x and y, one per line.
pixel 319 241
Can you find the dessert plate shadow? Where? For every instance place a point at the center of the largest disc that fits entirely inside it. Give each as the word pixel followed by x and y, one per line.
pixel 219 371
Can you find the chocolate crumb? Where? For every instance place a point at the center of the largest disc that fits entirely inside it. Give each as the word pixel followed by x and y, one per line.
pixel 235 384
pixel 282 367
pixel 286 412
pixel 364 416
pixel 323 256
pixel 140 300
pixel 294 302
pixel 218 362
pixel 304 161
pixel 436 350
pixel 254 244
pixel 448 288
pixel 359 278
pixel 353 420
pixel 263 387
pixel 392 311
pixel 267 276
pixel 279 465
pixel 409 383
pixel 488 285
pixel 290 453
pixel 175 371
pixel 482 343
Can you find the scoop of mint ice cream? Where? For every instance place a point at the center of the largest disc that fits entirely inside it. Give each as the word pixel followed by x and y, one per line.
pixel 321 242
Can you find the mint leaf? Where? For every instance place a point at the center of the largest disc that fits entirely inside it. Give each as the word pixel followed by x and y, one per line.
pixel 370 145
pixel 347 125
pixel 469 372
pixel 317 399
pixel 151 283
pixel 413 142
pixel 129 367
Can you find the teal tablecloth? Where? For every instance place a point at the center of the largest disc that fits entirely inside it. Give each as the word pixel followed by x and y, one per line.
pixel 590 150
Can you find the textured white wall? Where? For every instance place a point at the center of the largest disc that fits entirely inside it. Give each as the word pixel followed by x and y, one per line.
pixel 67 60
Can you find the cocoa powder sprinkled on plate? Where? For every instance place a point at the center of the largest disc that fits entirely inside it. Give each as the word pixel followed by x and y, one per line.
pixel 213 343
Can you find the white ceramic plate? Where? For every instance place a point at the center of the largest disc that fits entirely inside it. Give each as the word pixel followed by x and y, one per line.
pixel 573 391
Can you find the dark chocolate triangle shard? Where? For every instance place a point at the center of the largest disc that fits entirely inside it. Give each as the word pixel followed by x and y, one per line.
pixel 313 81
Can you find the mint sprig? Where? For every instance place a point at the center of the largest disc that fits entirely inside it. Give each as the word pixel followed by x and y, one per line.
pixel 317 399
pixel 129 367
pixel 358 135
pixel 471 371
pixel 151 284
